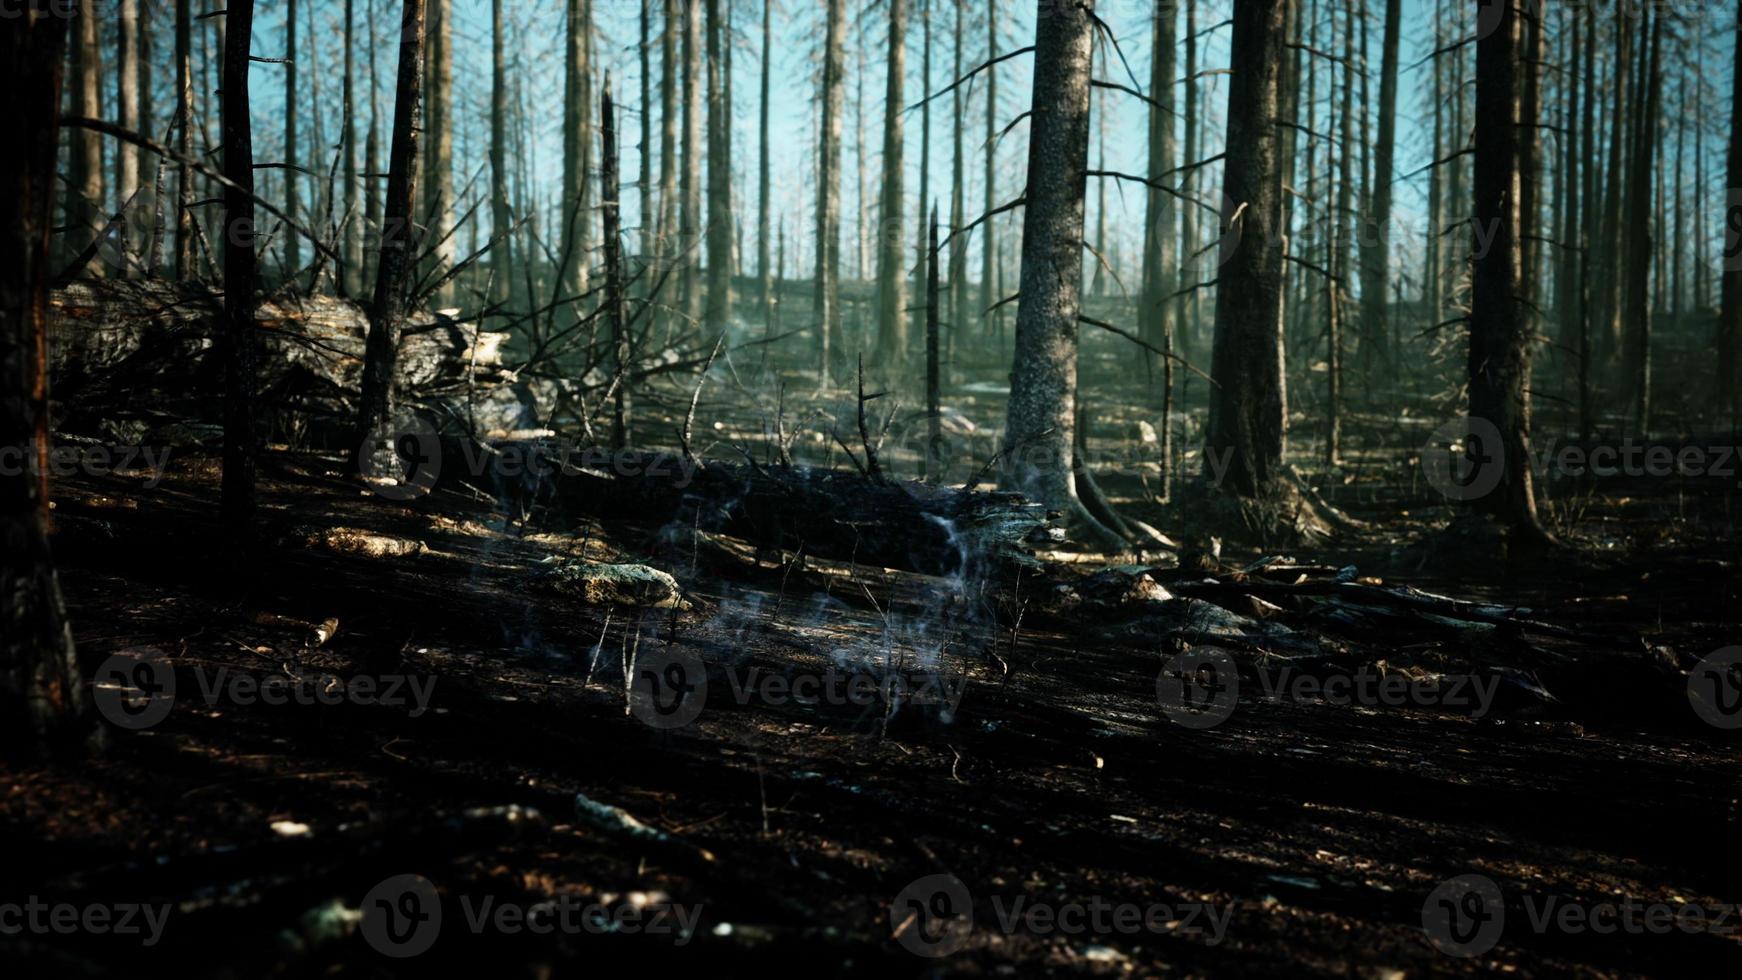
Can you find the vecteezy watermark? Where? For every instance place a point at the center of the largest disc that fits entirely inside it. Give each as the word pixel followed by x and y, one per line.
pixel 1465 459
pixel 1715 688
pixel 669 689
pixel 402 916
pixel 1466 916
pixel 136 689
pixel 934 917
pixel 1201 689
pixel 89 460
pixel 38 917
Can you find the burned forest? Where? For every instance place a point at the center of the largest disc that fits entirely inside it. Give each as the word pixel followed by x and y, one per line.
pixel 891 488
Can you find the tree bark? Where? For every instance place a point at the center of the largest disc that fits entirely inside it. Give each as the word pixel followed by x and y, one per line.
pixel 1376 244
pixel 609 193
pixel 719 305
pixel 84 194
pixel 764 271
pixel 501 215
pixel 42 690
pixel 1730 283
pixel 1500 334
pixel 988 230
pixel 351 276
pixel 891 235
pixel 292 177
pixel 1245 434
pixel 827 302
pixel 184 97
pixel 127 107
pixel 240 279
pixel 1041 420
pixel 691 176
pixel 399 236
pixel 576 214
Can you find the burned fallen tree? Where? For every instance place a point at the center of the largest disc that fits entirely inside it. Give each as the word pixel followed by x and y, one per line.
pixel 796 510
pixel 126 356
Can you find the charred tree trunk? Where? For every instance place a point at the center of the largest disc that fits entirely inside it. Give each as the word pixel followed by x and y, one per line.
pixel 292 177
pixel 501 217
pixel 240 279
pixel 184 97
pixel 959 317
pixel 127 108
pixel 1730 285
pixel 934 445
pixel 827 303
pixel 1376 246
pixel 351 245
pixel 669 114
pixel 1157 312
pixel 1041 421
pixel 84 195
pixel 1244 438
pixel 42 692
pixel 988 231
pixel 1500 335
pixel 691 175
pixel 719 306
pixel 764 271
pixel 609 193
pixel 577 143
pixel 399 238
pixel 891 237
pixel 1638 272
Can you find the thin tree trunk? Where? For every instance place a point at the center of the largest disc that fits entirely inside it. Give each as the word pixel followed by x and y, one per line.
pixel 1376 246
pixel 827 303
pixel 240 279
pixel 351 277
pixel 399 236
pixel 84 195
pixel 1730 283
pixel 668 138
pixel 42 692
pixel 763 270
pixel 988 230
pixel 1244 438
pixel 501 218
pixel 1037 459
pixel 1640 253
pixel 719 305
pixel 184 94
pixel 127 106
pixel 576 213
pixel 891 237
pixel 372 200
pixel 292 177
pixel 609 192
pixel 959 317
pixel 691 176
pixel 1500 335
pixel 934 444
pixel 1155 313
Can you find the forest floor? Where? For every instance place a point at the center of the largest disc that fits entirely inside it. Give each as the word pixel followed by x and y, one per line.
pixel 1299 836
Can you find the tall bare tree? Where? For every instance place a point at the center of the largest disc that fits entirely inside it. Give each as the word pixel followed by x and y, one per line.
pixel 576 215
pixel 1248 402
pixel 891 235
pixel 399 236
pixel 827 302
pixel 1500 334
pixel 240 341
pixel 1376 243
pixel 719 305
pixel 84 195
pixel 1040 424
pixel 42 693
pixel 1730 285
pixel 690 176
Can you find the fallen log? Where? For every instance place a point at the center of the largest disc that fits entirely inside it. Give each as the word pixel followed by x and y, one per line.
pixel 934 530
pixel 126 355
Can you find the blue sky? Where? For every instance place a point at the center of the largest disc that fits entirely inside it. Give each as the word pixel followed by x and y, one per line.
pixel 535 53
